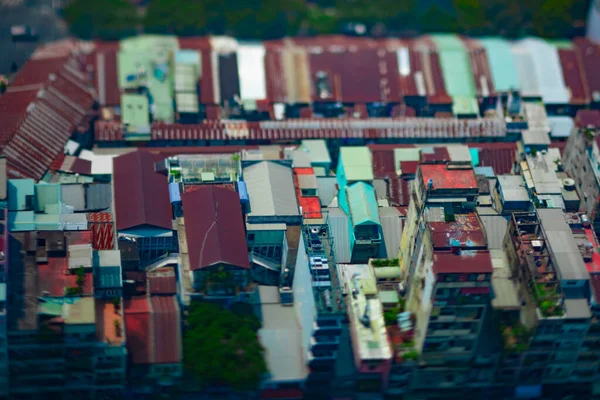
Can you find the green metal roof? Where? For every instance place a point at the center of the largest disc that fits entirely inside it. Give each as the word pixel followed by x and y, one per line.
pixel 317 151
pixel 19 221
pixel 456 65
pixel 502 63
pixel 18 190
pixel 134 110
pixel 463 105
pixel 474 156
pixel 46 196
pixel 363 204
pixel 152 54
pixel 357 163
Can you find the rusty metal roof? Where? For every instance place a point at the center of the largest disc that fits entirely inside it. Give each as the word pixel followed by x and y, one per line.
pixel 465 262
pixel 574 75
pixel 300 129
pixel 141 194
pixel 214 228
pixel 465 232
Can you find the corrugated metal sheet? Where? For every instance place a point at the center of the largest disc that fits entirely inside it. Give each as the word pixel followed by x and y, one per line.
pixel 530 86
pixel 480 68
pixel 495 229
pixel 251 71
pixel 391 225
pixel 590 59
pixel 561 126
pixel 214 227
pixel 500 156
pixel 502 63
pixel 548 71
pixel 337 221
pixel 166 330
pixel 430 65
pixel 137 326
pixel 293 130
pixel 74 196
pixel 98 196
pixel 363 204
pixel 574 75
pixel 229 81
pixel 271 190
pixel 162 281
pixel 357 163
pixel 39 123
pixel 456 65
pixel 327 189
pixel 141 195
pixel 208 94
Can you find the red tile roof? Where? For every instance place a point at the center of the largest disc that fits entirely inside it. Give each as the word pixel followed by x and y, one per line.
pixel 214 227
pixel 141 194
pixel 465 230
pixel 166 330
pixel 444 178
pixel 466 262
pixel 162 281
pixel 574 75
pixel 137 328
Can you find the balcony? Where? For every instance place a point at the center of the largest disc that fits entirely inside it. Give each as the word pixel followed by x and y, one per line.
pixel 367 234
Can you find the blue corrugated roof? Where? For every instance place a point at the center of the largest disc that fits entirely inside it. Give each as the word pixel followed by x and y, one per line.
pixel 363 204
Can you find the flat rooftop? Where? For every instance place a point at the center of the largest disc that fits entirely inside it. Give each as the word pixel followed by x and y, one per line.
pixel 372 339
pixel 105 323
pixel 444 176
pixel 464 232
pixel 464 262
pixel 281 337
pixel 562 245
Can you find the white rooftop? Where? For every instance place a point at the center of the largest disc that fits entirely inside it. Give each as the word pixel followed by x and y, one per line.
pixel 372 339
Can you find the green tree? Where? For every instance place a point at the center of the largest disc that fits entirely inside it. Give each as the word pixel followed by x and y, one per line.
pixel 101 19
pixel 554 18
pixel 436 19
pixel 185 18
pixel 218 342
pixel 470 16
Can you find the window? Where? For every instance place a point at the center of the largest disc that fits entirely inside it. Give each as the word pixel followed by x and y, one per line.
pixel 251 237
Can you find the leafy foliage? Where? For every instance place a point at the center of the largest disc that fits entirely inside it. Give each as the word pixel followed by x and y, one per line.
pixel 101 19
pixel 218 342
pixel 269 19
pixel 392 262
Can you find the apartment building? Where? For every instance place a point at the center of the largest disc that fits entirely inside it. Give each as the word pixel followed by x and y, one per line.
pixel 543 343
pixel 319 305
pixel 60 345
pixel 582 162
pixel 356 197
pixel 371 348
